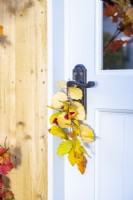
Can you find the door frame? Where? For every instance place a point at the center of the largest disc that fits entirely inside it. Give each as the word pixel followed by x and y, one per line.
pixel 57 64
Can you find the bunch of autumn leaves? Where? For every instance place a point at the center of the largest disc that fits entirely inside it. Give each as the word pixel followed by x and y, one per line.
pixel 5 167
pixel 122 14
pixel 68 125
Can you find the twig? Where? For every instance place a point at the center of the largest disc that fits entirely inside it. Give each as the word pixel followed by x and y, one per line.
pixel 117 32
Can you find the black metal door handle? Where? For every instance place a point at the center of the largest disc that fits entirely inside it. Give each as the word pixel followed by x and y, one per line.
pixel 79 79
pixel 87 85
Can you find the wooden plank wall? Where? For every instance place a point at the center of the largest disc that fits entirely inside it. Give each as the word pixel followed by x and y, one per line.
pixel 23 96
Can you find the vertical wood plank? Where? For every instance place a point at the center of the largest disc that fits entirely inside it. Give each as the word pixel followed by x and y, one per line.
pixel 23 97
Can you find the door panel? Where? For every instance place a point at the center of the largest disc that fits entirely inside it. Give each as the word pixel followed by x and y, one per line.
pixel 113 155
pixel 109 111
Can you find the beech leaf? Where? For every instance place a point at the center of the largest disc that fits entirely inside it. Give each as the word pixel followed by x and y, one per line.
pixel 77 146
pixel 53 118
pixel 116 44
pixel 75 93
pixel 128 29
pixel 58 99
pixel 71 157
pixel 129 13
pixel 122 3
pixel 62 84
pixel 86 133
pixel 75 127
pixel 83 150
pixel 65 147
pixel 57 131
pixel 66 106
pixel 111 11
pixel 82 164
pixel 63 120
pixel 80 110
pixel 72 112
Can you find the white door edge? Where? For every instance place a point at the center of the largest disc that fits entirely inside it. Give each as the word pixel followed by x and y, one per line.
pixel 57 71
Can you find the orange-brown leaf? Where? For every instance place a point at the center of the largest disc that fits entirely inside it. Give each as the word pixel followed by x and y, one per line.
pixel 82 165
pixel 128 29
pixel 111 11
pixel 1 30
pixel 116 44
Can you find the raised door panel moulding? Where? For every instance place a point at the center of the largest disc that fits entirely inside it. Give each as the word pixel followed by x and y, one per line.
pixel 128 192
pixel 113 157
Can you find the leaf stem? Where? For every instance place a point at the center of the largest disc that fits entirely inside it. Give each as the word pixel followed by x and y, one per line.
pixel 115 35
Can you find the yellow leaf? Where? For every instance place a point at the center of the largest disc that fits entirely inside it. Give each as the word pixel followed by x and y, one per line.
pixel 76 122
pixel 65 147
pixel 75 126
pixel 53 118
pixel 77 145
pixel 86 133
pixel 1 30
pixel 80 110
pixel 72 112
pixel 71 157
pixel 57 131
pixel 73 135
pixel 58 99
pixel 62 84
pixel 83 150
pixel 63 120
pixel 75 93
pixel 66 106
pixel 76 156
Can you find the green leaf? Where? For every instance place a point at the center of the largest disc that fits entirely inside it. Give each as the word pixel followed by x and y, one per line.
pixel 64 148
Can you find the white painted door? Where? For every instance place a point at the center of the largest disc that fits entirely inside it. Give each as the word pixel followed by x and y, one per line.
pixel 109 176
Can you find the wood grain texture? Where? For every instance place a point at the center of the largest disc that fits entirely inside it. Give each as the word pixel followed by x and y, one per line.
pixel 23 97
